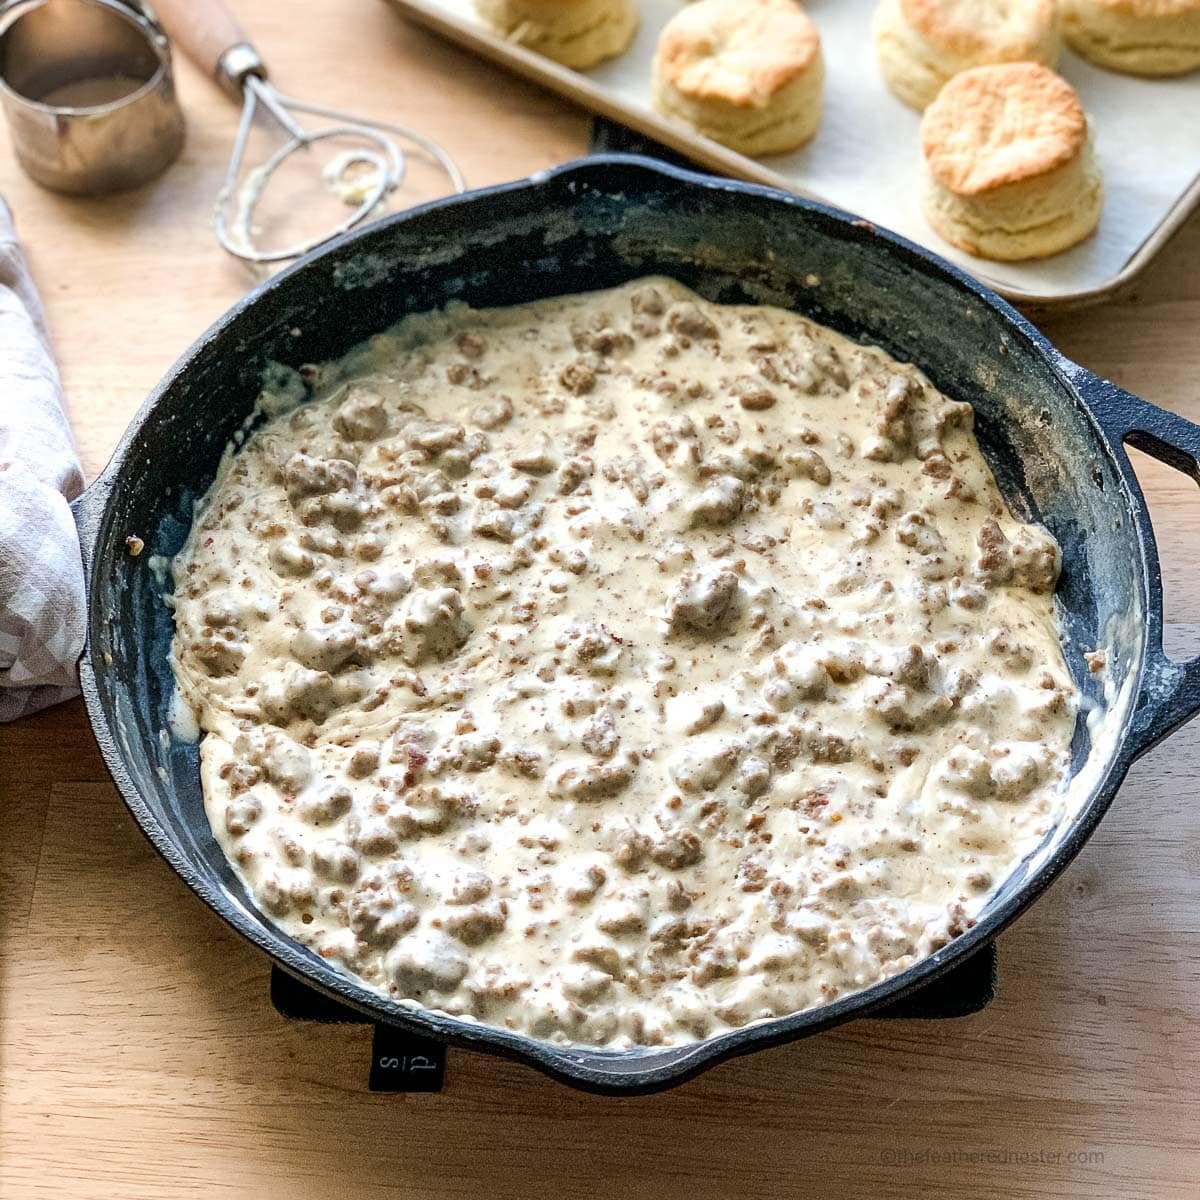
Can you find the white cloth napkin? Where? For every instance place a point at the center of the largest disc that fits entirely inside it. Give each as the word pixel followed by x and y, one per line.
pixel 41 576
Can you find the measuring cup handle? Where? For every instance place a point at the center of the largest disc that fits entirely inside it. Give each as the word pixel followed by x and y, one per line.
pixel 213 38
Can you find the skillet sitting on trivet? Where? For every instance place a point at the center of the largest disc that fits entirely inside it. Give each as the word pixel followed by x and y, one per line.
pixel 1052 432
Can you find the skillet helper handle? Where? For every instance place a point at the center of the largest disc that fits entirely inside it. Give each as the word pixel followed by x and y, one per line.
pixel 214 39
pixel 1170 690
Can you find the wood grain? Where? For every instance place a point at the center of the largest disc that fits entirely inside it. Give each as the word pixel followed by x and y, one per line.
pixel 139 1058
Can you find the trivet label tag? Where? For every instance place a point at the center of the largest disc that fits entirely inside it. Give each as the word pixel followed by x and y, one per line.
pixel 405 1062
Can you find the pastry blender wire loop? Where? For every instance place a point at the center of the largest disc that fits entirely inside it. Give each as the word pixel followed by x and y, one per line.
pixel 380 162
pixel 363 175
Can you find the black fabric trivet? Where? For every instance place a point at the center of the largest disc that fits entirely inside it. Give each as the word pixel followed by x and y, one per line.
pixel 405 1062
pixel 965 989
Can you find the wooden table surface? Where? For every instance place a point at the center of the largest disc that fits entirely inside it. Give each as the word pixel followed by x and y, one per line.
pixel 140 1056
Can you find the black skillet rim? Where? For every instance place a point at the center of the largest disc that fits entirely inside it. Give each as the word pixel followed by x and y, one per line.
pixel 568 1064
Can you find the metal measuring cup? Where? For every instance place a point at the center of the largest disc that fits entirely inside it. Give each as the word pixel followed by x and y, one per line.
pixel 87 89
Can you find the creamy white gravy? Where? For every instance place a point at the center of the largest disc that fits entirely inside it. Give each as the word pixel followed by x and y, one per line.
pixel 622 668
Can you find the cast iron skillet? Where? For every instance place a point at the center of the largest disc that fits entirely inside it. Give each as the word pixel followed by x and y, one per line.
pixel 1053 433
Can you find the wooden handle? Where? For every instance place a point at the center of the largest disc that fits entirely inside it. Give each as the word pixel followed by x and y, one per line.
pixel 205 29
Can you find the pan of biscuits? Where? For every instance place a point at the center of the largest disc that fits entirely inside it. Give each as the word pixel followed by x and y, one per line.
pixel 827 98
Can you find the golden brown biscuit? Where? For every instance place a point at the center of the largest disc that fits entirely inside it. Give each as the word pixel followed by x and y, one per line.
pixel 923 43
pixel 1139 37
pixel 746 73
pixel 576 33
pixel 1011 169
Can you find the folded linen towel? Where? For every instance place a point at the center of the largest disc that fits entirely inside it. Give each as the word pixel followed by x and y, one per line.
pixel 41 577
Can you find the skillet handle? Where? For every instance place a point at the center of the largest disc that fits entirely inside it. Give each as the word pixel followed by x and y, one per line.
pixel 1170 690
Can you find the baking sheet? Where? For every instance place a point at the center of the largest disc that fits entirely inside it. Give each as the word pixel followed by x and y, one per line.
pixel 866 156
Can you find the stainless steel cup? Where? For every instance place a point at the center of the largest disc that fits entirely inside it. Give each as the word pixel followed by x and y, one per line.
pixel 87 89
